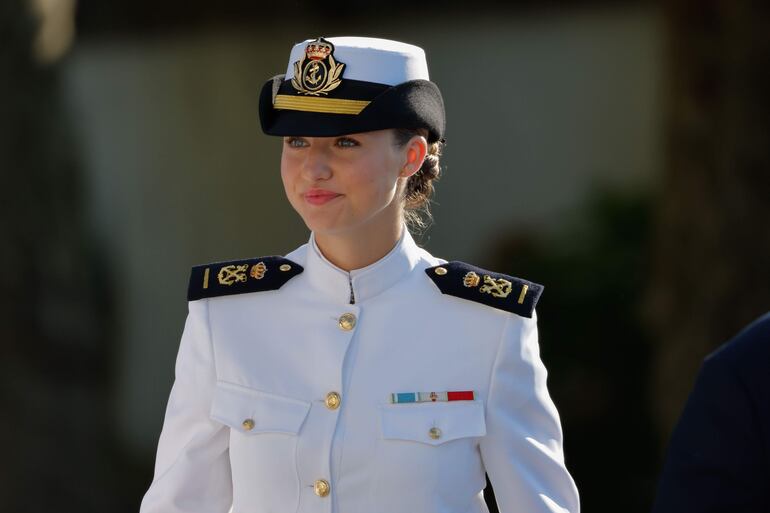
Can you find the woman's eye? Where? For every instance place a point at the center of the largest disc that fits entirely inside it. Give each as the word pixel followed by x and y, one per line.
pixel 346 142
pixel 296 142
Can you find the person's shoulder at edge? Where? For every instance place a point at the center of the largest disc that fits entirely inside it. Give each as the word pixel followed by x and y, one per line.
pixel 743 363
pixel 746 353
pixel 715 457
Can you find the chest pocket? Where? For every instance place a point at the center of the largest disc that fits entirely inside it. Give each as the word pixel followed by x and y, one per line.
pixel 249 411
pixel 433 423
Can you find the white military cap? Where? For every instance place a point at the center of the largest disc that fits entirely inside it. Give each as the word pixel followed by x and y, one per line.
pixel 343 85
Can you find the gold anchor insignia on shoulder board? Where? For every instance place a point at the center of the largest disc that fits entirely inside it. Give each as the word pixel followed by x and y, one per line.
pixel 500 287
pixel 258 271
pixel 317 73
pixel 230 274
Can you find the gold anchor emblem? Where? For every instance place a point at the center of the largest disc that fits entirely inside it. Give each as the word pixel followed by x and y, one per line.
pixel 313 77
pixel 258 271
pixel 497 288
pixel 230 274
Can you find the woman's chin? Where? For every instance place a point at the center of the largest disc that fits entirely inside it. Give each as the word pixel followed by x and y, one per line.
pixel 323 224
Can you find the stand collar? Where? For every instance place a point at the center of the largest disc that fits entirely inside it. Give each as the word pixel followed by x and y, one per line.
pixel 366 282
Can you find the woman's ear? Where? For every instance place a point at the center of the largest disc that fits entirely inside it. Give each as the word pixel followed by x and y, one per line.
pixel 414 151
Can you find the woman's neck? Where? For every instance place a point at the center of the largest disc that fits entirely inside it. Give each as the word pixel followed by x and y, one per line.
pixel 358 249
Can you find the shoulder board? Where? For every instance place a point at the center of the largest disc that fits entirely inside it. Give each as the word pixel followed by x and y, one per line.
pixel 240 276
pixel 492 289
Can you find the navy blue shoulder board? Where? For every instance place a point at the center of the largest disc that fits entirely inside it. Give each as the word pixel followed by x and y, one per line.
pixel 240 276
pixel 492 289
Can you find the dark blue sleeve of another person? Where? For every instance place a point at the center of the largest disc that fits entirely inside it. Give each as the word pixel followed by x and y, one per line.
pixel 719 452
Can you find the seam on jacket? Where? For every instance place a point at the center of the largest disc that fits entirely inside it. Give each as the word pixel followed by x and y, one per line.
pixel 296 472
pixel 500 344
pixel 211 341
pixel 215 371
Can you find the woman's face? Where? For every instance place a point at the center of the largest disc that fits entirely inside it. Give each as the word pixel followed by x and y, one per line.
pixel 341 185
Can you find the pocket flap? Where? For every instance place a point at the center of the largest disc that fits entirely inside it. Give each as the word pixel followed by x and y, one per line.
pixel 433 423
pixel 252 411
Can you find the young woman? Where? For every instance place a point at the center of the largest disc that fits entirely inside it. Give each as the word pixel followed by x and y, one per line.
pixel 358 373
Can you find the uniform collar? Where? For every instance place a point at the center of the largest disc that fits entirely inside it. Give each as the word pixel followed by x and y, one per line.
pixel 368 281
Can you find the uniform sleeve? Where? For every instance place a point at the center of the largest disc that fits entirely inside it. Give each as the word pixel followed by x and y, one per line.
pixel 192 469
pixel 522 451
pixel 715 461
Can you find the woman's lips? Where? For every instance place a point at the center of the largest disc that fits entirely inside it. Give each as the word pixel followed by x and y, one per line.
pixel 319 196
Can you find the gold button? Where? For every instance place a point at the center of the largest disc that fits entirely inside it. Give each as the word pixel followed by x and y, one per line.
pixel 441 271
pixel 248 424
pixel 321 487
pixel 434 433
pixel 332 400
pixel 285 267
pixel 347 321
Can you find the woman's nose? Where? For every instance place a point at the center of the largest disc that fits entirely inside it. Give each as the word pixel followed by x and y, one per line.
pixel 316 164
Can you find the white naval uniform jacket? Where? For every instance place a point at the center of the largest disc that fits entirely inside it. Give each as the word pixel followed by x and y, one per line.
pixel 272 357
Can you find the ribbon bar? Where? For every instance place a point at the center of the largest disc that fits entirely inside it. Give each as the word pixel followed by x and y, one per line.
pixel 432 397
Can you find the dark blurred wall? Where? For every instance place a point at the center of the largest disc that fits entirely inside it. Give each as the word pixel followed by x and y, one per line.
pixel 56 424
pixel 712 261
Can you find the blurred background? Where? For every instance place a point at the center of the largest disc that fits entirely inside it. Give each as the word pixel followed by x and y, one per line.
pixel 615 151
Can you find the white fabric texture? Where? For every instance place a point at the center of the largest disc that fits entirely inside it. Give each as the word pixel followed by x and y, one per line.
pixel 272 357
pixel 371 60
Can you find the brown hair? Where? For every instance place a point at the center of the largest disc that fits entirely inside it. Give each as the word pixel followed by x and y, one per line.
pixel 419 186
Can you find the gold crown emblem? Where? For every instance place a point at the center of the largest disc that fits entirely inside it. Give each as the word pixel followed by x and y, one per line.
pixel 318 49
pixel 471 279
pixel 258 271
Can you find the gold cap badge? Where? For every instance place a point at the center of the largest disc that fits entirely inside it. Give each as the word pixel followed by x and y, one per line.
pixel 317 73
